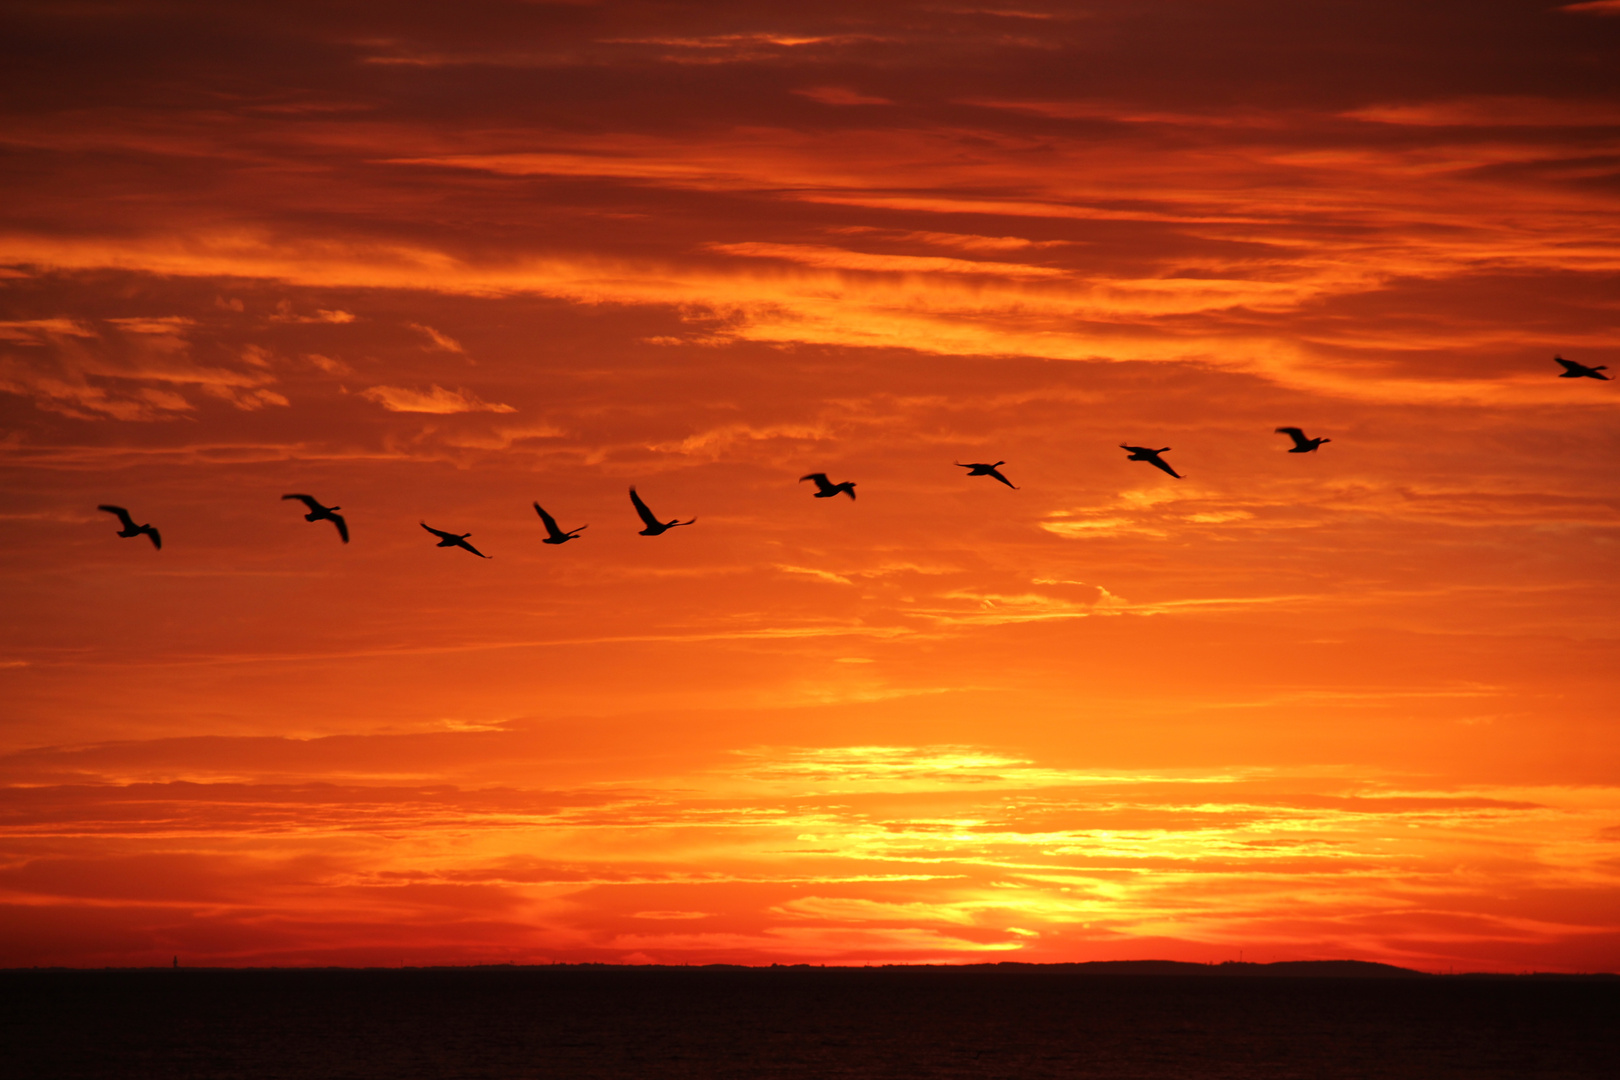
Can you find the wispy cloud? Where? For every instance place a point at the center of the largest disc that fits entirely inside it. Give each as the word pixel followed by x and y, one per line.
pixel 136 369
pixel 1005 855
pixel 286 314
pixel 843 259
pixel 435 399
pixel 841 95
pixel 1594 7
pixel 440 341
pixel 1496 112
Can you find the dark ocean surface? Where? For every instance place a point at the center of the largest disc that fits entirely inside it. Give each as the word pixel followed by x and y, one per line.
pixel 1015 1022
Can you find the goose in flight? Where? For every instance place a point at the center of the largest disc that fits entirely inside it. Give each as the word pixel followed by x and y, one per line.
pixel 1302 445
pixel 132 529
pixel 1572 370
pixel 979 468
pixel 317 512
pixel 826 489
pixel 449 539
pixel 555 535
pixel 1142 453
pixel 649 519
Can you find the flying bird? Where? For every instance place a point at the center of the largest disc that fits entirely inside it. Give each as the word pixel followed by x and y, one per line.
pixel 449 539
pixel 979 468
pixel 649 519
pixel 826 489
pixel 132 529
pixel 1302 445
pixel 1142 453
pixel 1572 370
pixel 555 535
pixel 317 512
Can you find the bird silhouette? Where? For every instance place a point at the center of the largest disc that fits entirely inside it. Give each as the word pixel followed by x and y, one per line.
pixel 649 519
pixel 1572 370
pixel 555 535
pixel 1142 453
pixel 449 539
pixel 979 468
pixel 826 489
pixel 317 512
pixel 1302 445
pixel 132 529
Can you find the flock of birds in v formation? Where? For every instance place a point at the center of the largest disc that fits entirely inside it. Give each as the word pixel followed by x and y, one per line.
pixel 825 488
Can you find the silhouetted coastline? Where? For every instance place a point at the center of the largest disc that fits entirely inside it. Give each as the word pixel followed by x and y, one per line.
pixel 1298 969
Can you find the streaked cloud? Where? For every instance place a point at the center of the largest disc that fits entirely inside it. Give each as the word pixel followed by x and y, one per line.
pixel 37 331
pixel 1022 859
pixel 285 313
pixel 435 399
pixel 841 95
pixel 440 341
pixel 1497 112
pixel 844 259
pixel 137 369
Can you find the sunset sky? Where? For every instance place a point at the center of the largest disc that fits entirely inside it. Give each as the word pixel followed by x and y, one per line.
pixel 433 262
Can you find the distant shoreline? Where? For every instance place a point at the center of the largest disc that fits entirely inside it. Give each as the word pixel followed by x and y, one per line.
pixel 1297 969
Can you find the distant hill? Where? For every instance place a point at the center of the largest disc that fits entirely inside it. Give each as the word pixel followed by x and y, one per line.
pixel 1315 969
pixel 1338 969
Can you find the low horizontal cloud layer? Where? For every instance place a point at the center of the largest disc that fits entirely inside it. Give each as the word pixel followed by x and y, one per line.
pixel 859 853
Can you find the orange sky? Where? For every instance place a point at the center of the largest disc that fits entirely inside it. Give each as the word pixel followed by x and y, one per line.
pixel 433 262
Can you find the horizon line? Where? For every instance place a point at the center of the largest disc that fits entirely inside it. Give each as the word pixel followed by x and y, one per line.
pixel 1355 969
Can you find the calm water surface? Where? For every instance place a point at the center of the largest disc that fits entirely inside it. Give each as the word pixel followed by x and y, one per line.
pixel 564 1023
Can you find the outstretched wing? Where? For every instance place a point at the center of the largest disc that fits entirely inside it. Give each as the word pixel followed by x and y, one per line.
pixel 461 542
pixel 307 500
pixel 157 541
pixel 440 533
pixel 1297 434
pixel 549 522
pixel 995 472
pixel 342 526
pixel 647 516
pixel 123 515
pixel 822 483
pixel 1570 366
pixel 1159 463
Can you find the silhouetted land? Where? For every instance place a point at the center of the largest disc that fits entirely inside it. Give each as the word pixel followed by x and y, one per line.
pixel 1143 1019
